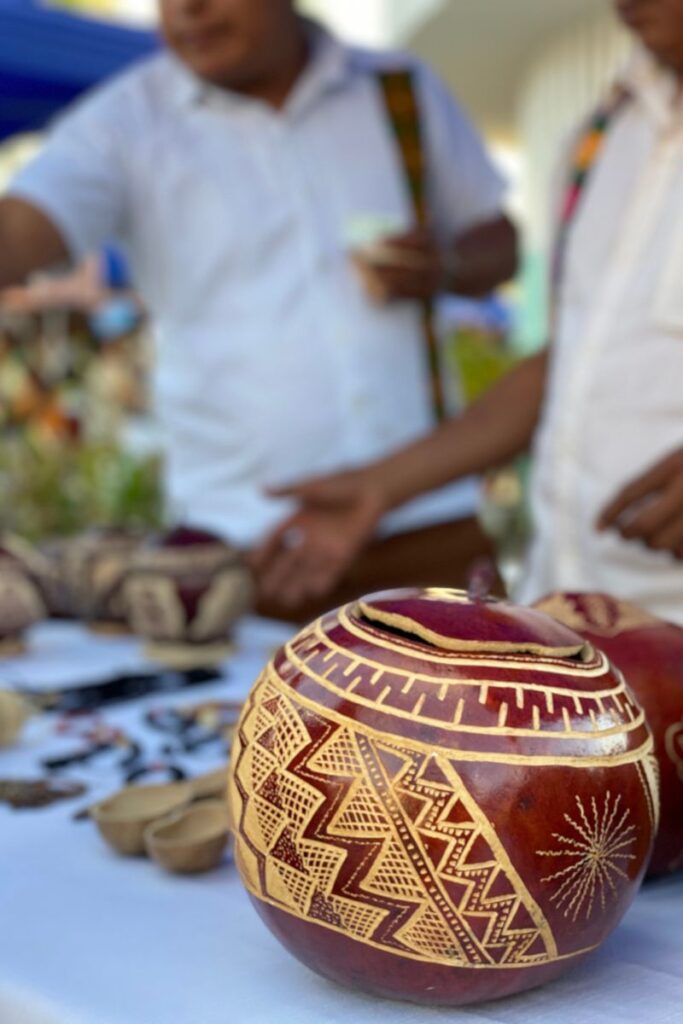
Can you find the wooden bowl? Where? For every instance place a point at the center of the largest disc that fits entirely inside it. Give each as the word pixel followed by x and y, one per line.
pixel 192 840
pixel 123 818
pixel 14 711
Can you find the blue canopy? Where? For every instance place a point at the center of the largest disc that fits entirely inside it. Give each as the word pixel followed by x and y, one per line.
pixel 48 57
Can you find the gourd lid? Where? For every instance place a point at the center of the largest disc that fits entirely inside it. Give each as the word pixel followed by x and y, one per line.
pixel 451 620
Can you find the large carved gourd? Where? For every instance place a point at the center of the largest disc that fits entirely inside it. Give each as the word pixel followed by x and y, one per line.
pixel 440 799
pixel 649 652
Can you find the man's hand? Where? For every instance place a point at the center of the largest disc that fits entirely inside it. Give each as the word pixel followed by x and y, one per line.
pixel 650 508
pixel 408 266
pixel 412 266
pixel 309 553
pixel 80 289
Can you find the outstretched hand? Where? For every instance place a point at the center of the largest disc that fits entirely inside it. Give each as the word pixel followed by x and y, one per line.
pixel 650 508
pixel 310 552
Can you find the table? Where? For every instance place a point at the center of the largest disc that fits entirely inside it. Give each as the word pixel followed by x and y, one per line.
pixel 87 937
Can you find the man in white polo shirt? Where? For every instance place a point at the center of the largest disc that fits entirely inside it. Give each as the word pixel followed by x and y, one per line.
pixel 604 406
pixel 232 166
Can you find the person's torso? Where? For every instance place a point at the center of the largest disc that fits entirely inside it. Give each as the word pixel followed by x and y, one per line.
pixel 272 363
pixel 615 401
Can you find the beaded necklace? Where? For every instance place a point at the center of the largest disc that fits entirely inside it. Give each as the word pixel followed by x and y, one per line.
pixel 586 154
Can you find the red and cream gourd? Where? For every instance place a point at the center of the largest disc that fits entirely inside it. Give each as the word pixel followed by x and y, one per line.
pixel 649 652
pixel 21 599
pixel 440 799
pixel 88 574
pixel 183 593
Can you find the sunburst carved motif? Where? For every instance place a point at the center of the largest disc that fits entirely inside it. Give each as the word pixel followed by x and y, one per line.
pixel 595 853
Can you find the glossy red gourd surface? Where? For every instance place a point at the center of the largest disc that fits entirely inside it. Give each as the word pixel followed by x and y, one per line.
pixel 649 652
pixel 440 799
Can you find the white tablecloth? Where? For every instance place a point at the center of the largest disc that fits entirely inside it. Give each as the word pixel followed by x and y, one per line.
pixel 87 937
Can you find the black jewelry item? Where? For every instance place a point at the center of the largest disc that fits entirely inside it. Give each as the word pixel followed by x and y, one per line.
pixel 118 689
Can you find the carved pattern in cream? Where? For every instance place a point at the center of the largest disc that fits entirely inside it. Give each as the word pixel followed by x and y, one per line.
pixel 432 856
pixel 343 820
pixel 674 746
pixel 225 599
pixel 155 607
pixel 596 613
pixel 649 774
pixel 20 601
pixel 592 855
pixel 453 706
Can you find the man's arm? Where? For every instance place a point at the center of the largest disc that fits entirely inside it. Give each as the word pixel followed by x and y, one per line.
pixel 487 434
pixel 28 241
pixel 310 552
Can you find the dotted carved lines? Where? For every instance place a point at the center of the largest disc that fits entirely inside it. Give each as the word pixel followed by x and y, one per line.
pixel 270 692
pixel 367 765
pixel 440 901
pixel 465 947
pixel 271 685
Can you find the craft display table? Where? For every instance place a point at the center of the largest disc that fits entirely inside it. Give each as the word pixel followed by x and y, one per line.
pixel 88 937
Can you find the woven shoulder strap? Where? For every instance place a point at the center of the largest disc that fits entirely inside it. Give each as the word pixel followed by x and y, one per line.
pixel 403 113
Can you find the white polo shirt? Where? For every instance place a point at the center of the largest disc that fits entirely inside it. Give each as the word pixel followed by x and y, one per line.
pixel 272 365
pixel 615 400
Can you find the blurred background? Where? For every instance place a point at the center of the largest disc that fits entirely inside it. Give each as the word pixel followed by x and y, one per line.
pixel 79 443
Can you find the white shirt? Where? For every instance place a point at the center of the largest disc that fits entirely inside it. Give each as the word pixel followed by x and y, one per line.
pixel 615 401
pixel 272 364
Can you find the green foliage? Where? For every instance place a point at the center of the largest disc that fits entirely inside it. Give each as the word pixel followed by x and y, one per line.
pixel 50 488
pixel 477 359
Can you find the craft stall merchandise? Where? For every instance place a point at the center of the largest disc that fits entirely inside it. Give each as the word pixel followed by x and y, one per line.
pixel 181 592
pixel 429 796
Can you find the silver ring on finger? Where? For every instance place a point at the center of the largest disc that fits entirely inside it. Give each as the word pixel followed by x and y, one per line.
pixel 293 538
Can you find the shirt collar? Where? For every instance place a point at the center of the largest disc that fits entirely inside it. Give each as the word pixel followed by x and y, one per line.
pixel 653 87
pixel 329 66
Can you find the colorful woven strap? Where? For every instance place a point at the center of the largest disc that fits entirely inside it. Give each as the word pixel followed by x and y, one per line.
pixel 398 89
pixel 585 157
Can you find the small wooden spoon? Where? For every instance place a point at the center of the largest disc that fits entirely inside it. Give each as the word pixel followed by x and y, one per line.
pixel 123 817
pixel 191 840
pixel 211 784
pixel 14 712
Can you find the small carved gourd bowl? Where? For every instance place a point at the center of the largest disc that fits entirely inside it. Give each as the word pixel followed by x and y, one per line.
pixel 21 598
pixel 649 652
pixel 184 593
pixel 89 571
pixel 439 799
